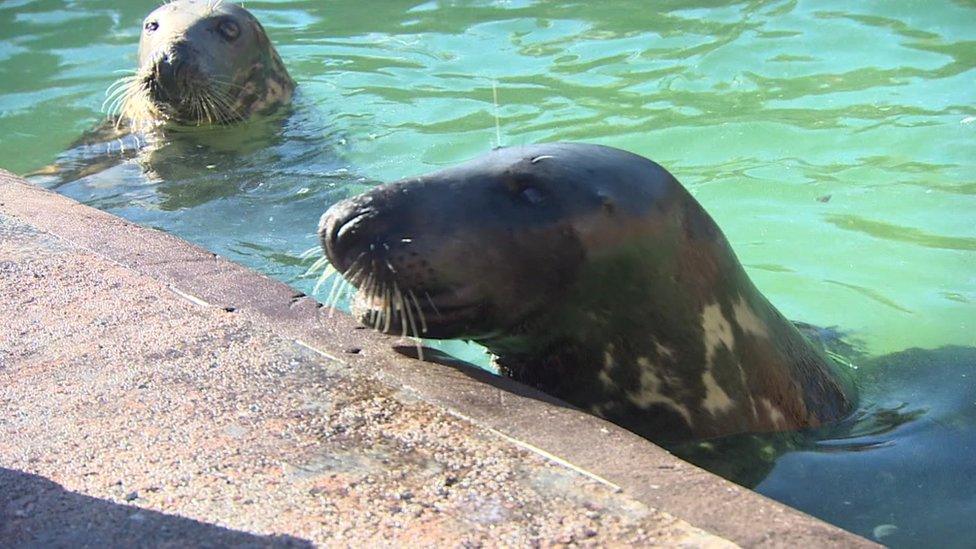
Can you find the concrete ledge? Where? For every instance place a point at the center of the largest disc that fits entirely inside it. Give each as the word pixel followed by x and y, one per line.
pixel 242 408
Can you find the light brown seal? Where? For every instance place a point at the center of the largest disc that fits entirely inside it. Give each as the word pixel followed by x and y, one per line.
pixel 592 274
pixel 201 62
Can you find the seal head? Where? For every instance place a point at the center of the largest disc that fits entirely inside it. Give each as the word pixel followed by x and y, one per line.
pixel 592 274
pixel 203 62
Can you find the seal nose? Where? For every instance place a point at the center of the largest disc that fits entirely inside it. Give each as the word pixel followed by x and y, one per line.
pixel 169 68
pixel 343 230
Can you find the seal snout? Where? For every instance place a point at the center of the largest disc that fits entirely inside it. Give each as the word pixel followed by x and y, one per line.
pixel 171 73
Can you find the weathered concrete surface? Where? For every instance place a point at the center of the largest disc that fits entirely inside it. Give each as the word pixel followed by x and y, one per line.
pixel 151 393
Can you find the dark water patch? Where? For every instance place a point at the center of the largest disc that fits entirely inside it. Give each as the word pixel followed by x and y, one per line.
pixel 872 294
pixel 773 268
pixel 897 233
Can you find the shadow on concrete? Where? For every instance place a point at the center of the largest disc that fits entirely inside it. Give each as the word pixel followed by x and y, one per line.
pixel 480 374
pixel 36 512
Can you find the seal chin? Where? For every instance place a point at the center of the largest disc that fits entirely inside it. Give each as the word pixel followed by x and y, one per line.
pixel 405 313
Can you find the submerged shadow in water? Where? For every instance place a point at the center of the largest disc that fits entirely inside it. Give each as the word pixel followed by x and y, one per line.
pixel 183 168
pixel 899 470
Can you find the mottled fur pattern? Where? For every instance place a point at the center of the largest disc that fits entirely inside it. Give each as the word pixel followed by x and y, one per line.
pixel 201 63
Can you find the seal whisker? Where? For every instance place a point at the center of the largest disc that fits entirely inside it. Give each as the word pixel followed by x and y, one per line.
pixel 396 303
pixel 364 282
pixel 376 289
pixel 225 106
pixel 328 300
pixel 353 278
pixel 337 285
pixel 380 316
pixel 432 306
pixel 221 119
pixel 212 112
pixel 420 312
pixel 318 284
pixel 368 287
pixel 377 295
pixel 314 250
pixel 118 87
pixel 114 97
pixel 115 104
pixel 122 80
pixel 226 83
pixel 125 108
pixel 201 108
pixel 204 108
pixel 327 273
pixel 319 264
pixel 112 103
pixel 210 97
pixel 197 107
pixel 388 309
pixel 405 306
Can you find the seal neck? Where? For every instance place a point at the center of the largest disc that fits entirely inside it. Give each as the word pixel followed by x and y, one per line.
pixel 671 359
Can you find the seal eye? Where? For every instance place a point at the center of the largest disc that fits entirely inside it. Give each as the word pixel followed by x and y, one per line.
pixel 524 188
pixel 229 30
pixel 533 195
pixel 151 26
pixel 526 191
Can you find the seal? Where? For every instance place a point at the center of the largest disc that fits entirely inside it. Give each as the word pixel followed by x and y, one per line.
pixel 201 62
pixel 592 274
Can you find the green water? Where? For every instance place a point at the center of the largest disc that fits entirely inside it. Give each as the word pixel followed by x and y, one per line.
pixel 834 142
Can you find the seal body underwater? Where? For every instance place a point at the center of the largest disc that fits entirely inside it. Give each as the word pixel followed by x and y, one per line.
pixel 202 62
pixel 592 274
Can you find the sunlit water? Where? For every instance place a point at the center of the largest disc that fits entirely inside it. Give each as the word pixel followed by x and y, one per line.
pixel 834 142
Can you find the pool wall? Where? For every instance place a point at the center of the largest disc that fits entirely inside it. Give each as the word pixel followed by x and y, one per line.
pixel 155 391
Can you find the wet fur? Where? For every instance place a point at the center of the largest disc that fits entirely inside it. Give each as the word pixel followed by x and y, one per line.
pixel 256 82
pixel 593 275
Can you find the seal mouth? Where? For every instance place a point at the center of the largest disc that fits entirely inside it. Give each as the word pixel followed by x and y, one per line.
pixel 181 93
pixel 387 305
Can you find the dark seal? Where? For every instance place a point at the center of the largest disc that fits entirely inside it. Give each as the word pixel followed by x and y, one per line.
pixel 592 274
pixel 201 62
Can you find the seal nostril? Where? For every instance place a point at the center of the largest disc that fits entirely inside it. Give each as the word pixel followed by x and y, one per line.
pixel 341 231
pixel 166 69
pixel 346 228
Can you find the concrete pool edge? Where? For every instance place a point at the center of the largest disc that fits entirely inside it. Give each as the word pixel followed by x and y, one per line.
pixel 520 415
